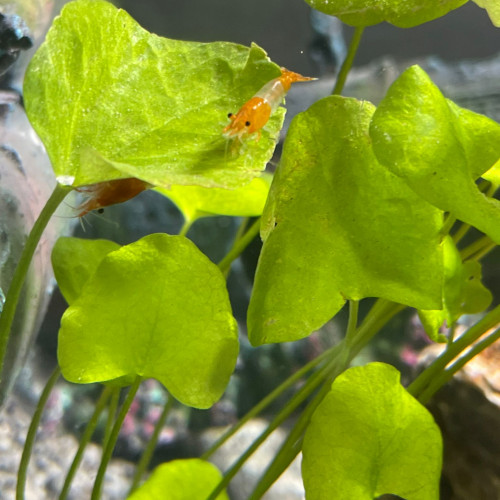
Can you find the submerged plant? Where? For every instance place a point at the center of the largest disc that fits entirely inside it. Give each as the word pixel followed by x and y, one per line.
pixel 367 202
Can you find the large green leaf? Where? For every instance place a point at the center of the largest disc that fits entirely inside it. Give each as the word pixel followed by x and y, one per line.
pixel 190 479
pixel 493 9
pixel 402 13
pixel 75 260
pixel 111 100
pixel 337 226
pixel 369 437
pixel 155 308
pixel 438 148
pixel 196 201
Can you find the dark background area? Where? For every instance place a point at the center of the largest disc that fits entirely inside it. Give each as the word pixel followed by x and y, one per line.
pixel 283 29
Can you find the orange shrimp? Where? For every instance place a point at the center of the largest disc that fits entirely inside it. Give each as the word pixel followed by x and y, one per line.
pixel 255 113
pixel 104 194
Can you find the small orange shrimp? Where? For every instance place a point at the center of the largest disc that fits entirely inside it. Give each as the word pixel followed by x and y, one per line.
pixel 255 113
pixel 104 194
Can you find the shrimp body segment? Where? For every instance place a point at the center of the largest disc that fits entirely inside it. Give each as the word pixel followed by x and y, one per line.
pixel 255 113
pixel 103 194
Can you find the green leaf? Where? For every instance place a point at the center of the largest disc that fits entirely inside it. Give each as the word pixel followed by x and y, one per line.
pixel 190 479
pixel 75 260
pixel 463 292
pixel 155 308
pixel 370 437
pixel 111 100
pixel 402 13
pixel 493 9
pixel 196 201
pixel 493 175
pixel 337 226
pixel 438 149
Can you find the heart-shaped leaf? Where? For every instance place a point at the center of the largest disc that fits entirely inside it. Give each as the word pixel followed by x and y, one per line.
pixel 337 226
pixel 493 9
pixel 189 479
pixel 111 100
pixel 155 308
pixel 369 437
pixel 438 148
pixel 75 260
pixel 402 13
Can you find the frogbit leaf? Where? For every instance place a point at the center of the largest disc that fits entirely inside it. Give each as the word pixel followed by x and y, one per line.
pixel 493 9
pixel 188 479
pixel 463 292
pixel 370 437
pixel 438 148
pixel 338 225
pixel 155 308
pixel 401 13
pixel 75 260
pixel 111 100
pixel 195 201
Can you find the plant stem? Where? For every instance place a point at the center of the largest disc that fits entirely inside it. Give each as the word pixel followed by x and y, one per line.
pixel 14 292
pixel 478 248
pixel 347 64
pixel 150 448
pixel 353 320
pixel 311 385
pixel 185 227
pixel 447 374
pixel 113 406
pixel 30 437
pixel 459 234
pixel 110 445
pixel 293 443
pixel 448 224
pixel 267 401
pixel 417 387
pixel 355 340
pixel 379 315
pixel 239 246
pixel 290 447
pixel 89 431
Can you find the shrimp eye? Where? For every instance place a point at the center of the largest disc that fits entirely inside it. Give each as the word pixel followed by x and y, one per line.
pixel 247 124
pixel 100 210
pixel 229 115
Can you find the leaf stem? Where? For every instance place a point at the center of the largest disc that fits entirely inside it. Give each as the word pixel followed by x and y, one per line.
pixel 186 227
pixel 239 246
pixel 417 387
pixel 478 248
pixel 459 234
pixel 379 315
pixel 293 443
pixel 110 445
pixel 447 374
pixel 353 320
pixel 30 437
pixel 347 64
pixel 110 420
pixel 355 339
pixel 290 447
pixel 150 448
pixel 14 292
pixel 448 223
pixel 87 434
pixel 309 387
pixel 267 401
